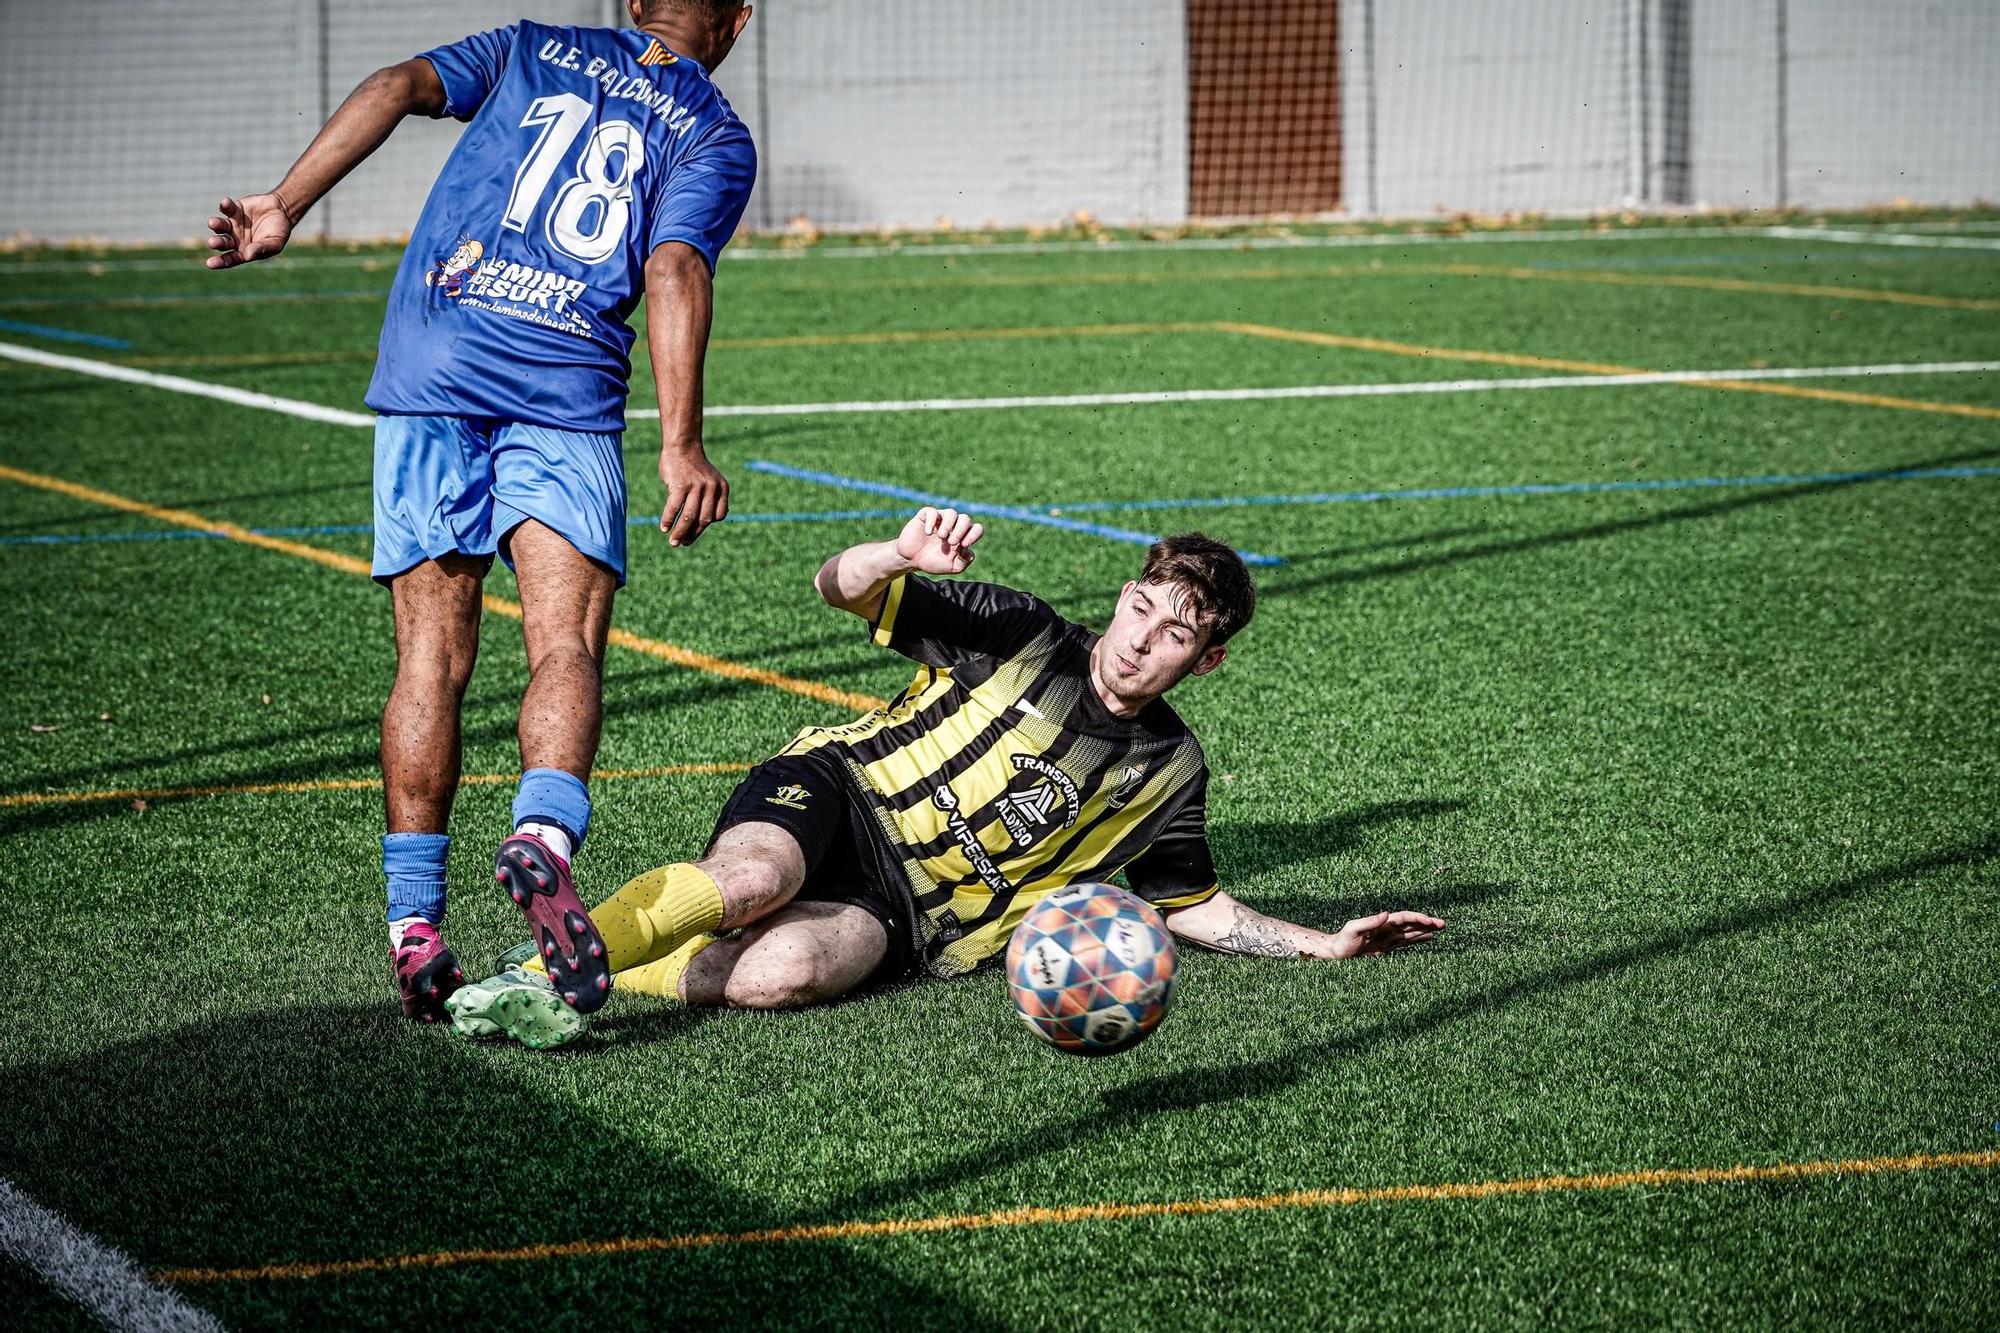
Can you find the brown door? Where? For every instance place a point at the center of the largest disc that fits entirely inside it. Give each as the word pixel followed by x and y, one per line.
pixel 1263 107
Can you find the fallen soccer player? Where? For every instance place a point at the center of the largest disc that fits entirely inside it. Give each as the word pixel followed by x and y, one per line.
pixel 1028 754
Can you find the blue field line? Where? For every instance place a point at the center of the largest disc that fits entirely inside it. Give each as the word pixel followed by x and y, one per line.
pixel 1016 512
pixel 803 516
pixel 63 335
pixel 1531 488
pixel 1051 515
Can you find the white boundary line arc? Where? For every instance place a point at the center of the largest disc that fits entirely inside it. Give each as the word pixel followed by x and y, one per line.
pixel 340 417
pixel 101 1279
pixel 1884 238
pixel 224 393
pixel 1156 397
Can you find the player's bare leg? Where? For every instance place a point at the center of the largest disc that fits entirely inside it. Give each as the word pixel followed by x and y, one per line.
pixel 565 621
pixel 437 606
pixel 803 954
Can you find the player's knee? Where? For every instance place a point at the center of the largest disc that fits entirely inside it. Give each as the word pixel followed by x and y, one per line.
pixel 781 974
pixel 435 667
pixel 565 655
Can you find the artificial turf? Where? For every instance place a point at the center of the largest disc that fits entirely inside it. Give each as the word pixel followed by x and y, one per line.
pixel 1704 780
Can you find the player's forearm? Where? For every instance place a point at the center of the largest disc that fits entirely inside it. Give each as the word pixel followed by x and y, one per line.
pixel 1226 925
pixel 361 125
pixel 855 579
pixel 680 304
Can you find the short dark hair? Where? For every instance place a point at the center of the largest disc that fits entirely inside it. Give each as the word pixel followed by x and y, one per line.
pixel 1212 576
pixel 713 10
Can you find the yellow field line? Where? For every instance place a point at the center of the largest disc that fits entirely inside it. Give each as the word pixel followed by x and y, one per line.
pixel 1598 276
pixel 1318 339
pixel 336 784
pixel 1848 396
pixel 347 564
pixel 1093 1212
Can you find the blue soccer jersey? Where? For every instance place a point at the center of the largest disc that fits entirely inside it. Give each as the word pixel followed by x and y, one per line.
pixel 588 147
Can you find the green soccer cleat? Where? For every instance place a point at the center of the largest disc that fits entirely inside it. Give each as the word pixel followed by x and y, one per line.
pixel 519 956
pixel 519 1004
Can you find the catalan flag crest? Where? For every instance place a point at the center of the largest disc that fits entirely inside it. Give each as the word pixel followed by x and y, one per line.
pixel 657 55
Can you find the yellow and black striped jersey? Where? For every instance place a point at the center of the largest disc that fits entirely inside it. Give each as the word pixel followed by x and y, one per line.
pixel 998 776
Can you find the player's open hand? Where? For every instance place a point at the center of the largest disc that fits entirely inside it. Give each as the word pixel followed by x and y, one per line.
pixel 939 541
pixel 253 227
pixel 1384 931
pixel 697 495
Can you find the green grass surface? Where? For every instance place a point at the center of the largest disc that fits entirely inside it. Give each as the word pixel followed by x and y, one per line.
pixel 1704 779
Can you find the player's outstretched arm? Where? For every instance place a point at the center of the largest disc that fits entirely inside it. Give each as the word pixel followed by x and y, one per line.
pixel 680 304
pixel 1224 924
pixel 934 541
pixel 257 226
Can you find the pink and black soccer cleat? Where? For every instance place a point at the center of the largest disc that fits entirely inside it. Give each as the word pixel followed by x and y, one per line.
pixel 426 973
pixel 538 881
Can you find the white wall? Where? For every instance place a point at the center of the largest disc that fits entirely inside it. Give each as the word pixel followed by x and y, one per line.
pixel 1490 105
pixel 1009 112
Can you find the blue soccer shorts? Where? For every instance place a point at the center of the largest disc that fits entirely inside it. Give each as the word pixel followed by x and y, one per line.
pixel 445 484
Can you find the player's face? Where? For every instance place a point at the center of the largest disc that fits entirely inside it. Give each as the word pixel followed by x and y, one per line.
pixel 1152 643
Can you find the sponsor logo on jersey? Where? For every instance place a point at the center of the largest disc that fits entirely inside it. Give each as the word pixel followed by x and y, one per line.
pixel 506 287
pixel 981 860
pixel 448 274
pixel 791 795
pixel 1029 813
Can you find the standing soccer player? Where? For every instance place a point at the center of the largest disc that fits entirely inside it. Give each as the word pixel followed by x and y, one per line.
pixel 600 164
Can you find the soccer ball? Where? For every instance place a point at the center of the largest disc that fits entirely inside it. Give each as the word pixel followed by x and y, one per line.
pixel 1091 969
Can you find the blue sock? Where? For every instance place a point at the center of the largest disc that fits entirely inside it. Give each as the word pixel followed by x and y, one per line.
pixel 414 863
pixel 551 796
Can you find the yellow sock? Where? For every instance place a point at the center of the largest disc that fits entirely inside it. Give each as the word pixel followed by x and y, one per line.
pixel 657 913
pixel 662 976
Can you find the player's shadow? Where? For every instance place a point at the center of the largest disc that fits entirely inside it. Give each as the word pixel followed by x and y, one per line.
pixel 1249 849
pixel 1597 531
pixel 1125 1111
pixel 325 1134
pixel 1435 537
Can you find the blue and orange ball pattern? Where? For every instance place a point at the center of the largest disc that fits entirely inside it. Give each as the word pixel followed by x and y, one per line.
pixel 1091 969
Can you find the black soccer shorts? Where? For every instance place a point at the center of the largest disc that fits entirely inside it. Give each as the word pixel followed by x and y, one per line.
pixel 811 797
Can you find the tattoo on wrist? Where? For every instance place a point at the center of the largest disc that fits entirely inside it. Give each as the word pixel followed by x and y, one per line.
pixel 1256 935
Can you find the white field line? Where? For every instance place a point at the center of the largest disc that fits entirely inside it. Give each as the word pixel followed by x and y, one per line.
pixel 917 250
pixel 339 417
pixel 1335 390
pixel 97 1277
pixel 1884 238
pixel 222 393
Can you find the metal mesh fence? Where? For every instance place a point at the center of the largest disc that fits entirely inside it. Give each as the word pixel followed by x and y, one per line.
pixel 123 119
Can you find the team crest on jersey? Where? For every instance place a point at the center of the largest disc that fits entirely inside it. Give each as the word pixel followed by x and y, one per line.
pixel 1031 812
pixel 506 287
pixel 1129 783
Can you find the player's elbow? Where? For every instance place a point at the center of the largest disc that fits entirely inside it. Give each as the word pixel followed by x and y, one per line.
pixel 412 87
pixel 678 266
